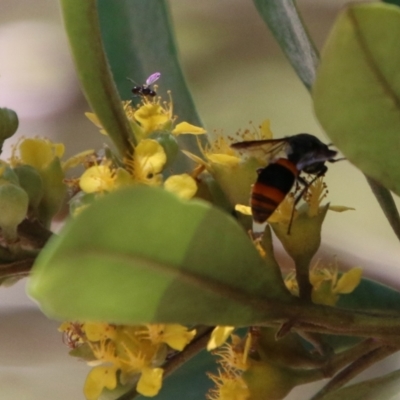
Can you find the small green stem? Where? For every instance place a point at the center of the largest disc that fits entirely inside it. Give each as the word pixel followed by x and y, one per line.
pixel 355 368
pixel 303 279
pixel 329 320
pixel 340 360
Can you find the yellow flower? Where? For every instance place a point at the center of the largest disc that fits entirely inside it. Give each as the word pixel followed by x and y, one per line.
pixel 153 117
pixel 220 152
pixel 327 286
pixel 99 378
pixel 284 211
pixel 263 132
pixel 219 336
pixel 314 196
pixel 104 351
pixel 175 335
pixel 78 159
pixel 134 360
pixel 234 356
pixel 96 331
pixel 150 382
pixel 148 162
pixel 182 185
pixel 282 214
pixel 99 178
pixel 245 210
pixel 186 128
pixel 291 283
pixel 229 386
pixel 348 281
pixel 38 153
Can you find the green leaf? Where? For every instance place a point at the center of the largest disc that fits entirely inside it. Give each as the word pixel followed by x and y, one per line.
pixel 82 27
pixel 143 255
pixel 396 2
pixel 139 40
pixel 371 295
pixel 285 23
pixel 383 388
pixel 357 90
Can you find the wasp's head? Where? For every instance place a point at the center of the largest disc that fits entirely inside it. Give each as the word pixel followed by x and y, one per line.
pixel 306 150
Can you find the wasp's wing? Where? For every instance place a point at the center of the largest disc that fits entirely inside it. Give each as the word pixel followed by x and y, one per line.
pixel 152 78
pixel 266 149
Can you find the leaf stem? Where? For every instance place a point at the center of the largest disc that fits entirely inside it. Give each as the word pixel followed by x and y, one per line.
pixel 355 368
pixel 303 278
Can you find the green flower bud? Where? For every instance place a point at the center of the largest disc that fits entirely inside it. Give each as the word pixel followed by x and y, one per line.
pixel 8 124
pixel 301 244
pixel 305 235
pixel 7 174
pixel 13 208
pixel 209 190
pixel 236 180
pixel 31 181
pixel 266 380
pixel 54 191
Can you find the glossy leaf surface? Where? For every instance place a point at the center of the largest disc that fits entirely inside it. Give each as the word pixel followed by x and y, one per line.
pixel 357 90
pixel 283 19
pixel 142 255
pixel 139 40
pixel 83 31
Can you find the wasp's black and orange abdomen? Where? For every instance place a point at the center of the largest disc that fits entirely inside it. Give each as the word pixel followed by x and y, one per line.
pixel 273 184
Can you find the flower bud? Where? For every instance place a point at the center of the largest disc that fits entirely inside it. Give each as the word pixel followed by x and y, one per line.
pixel 8 124
pixel 54 191
pixel 236 180
pixel 31 181
pixel 304 238
pixel 7 174
pixel 13 208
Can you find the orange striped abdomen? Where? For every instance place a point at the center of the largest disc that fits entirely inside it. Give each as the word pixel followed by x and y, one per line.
pixel 273 184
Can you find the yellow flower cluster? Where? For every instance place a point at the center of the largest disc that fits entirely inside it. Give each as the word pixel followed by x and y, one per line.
pixel 153 125
pixel 120 354
pixel 234 360
pixel 327 283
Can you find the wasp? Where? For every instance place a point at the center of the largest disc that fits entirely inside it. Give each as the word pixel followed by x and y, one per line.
pixel 145 89
pixel 303 153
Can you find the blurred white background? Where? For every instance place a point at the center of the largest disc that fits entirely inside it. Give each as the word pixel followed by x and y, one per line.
pixel 237 74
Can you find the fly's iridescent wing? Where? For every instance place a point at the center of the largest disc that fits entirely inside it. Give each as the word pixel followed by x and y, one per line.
pixel 267 149
pixel 153 78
